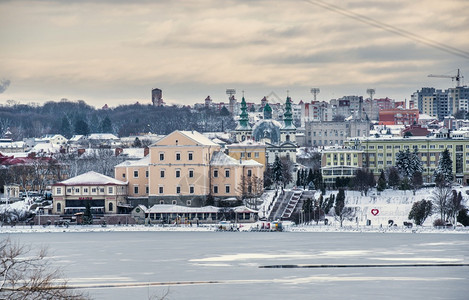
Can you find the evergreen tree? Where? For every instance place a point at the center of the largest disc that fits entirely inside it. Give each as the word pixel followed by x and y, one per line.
pixel 393 177
pixel 310 177
pixel 463 217
pixel 65 128
pixel 417 181
pixel 341 211
pixel 87 215
pixel 381 182
pixel 444 170
pixel 420 211
pixel 106 125
pixel 81 127
pixel 408 163
pixel 224 111
pixel 137 143
pixel 278 170
pixel 318 180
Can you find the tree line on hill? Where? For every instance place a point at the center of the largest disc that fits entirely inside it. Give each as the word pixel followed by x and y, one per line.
pixel 69 118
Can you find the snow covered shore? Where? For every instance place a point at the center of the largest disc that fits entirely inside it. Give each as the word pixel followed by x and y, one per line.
pixel 289 227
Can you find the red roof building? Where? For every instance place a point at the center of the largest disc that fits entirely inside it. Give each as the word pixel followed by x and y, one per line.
pixel 398 116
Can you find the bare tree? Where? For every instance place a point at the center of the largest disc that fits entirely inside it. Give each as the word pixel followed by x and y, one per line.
pixel 441 197
pixel 28 275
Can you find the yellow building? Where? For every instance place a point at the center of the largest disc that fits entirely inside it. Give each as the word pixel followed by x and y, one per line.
pixel 247 150
pixel 379 153
pixel 136 173
pixel 340 162
pixel 183 168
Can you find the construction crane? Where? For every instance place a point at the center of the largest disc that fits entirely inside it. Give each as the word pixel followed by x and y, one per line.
pixel 456 77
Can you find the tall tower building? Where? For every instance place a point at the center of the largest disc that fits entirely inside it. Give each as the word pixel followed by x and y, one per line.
pixel 157 97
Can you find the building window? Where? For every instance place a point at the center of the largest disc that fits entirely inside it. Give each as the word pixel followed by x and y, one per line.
pixel 190 154
pixel 227 173
pixel 135 174
pixel 59 191
pixel 146 174
pixel 174 202
pixel 191 189
pixel 123 175
pixel 161 155
pixel 215 189
pixel 227 189
pixel 77 190
pixel 135 189
pixel 249 154
pixel 162 173
pixel 188 203
pixel 215 173
pixel 178 189
pixel 59 206
pixel 69 190
pixel 162 201
pixel 242 154
pixel 256 154
pixel 160 189
pixel 93 190
pixel 178 156
pixel 111 206
pixel 85 190
pixel 110 190
pixel 249 173
pixel 178 173
pixel 191 173
pixel 147 190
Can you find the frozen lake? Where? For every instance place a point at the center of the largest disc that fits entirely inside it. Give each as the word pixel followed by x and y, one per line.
pixel 226 265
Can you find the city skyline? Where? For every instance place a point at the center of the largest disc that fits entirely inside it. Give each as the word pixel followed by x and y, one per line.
pixel 114 52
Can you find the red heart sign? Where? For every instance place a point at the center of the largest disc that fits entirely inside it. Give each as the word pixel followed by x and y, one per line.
pixel 375 212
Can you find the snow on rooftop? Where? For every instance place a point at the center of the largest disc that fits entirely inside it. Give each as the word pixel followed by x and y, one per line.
pixel 45 147
pixel 133 152
pixel 251 163
pixel 198 137
pixel 166 208
pixel 221 159
pixel 136 163
pixel 91 178
pixel 102 136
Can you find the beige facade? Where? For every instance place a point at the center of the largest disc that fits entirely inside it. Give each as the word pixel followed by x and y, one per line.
pixel 105 194
pixel 137 174
pixel 248 150
pixel 183 168
pixel 179 168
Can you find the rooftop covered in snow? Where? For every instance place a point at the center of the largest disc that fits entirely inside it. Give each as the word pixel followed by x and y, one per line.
pixel 91 178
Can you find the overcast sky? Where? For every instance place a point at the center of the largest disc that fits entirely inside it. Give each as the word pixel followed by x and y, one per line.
pixel 115 52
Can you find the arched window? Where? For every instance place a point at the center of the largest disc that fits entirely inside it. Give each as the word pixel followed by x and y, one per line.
pixel 59 206
pixel 111 206
pixel 287 137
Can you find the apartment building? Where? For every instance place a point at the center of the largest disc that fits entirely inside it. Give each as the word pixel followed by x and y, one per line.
pixel 379 153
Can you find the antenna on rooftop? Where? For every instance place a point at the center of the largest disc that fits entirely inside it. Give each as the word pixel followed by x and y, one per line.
pixel 230 92
pixel 315 91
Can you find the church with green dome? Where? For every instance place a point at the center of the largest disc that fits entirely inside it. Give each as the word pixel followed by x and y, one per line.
pixel 278 136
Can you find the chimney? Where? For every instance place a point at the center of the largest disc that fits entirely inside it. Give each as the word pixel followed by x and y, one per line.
pixel 118 151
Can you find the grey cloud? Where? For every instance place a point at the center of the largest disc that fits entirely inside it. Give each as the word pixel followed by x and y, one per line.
pixel 372 53
pixel 4 84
